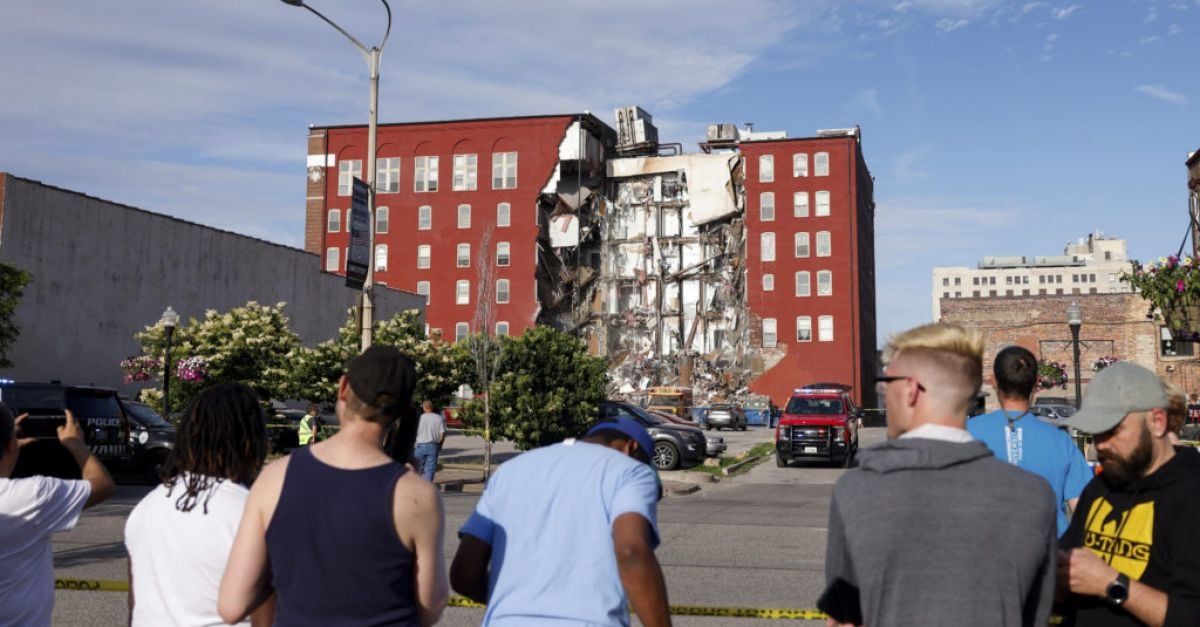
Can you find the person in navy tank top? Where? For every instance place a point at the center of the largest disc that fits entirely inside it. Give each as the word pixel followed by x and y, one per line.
pixel 343 513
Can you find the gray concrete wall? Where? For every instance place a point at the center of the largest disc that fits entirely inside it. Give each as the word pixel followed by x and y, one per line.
pixel 104 271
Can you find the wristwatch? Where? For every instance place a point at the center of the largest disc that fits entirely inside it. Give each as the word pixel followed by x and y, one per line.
pixel 1118 591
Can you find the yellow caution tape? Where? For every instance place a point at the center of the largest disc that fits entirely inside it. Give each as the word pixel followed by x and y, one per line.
pixel 92 585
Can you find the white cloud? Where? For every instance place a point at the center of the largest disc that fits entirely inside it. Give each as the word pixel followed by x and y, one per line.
pixel 1174 29
pixel 908 226
pixel 1030 6
pixel 1162 93
pixel 1146 41
pixel 1064 13
pixel 947 25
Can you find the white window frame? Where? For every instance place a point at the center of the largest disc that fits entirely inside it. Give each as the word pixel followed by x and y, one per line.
pixel 800 205
pixel 503 214
pixel 804 329
pixel 766 206
pixel 425 174
pixel 824 278
pixel 503 291
pixel 423 290
pixel 333 259
pixel 767 246
pixel 466 173
pixel 802 245
pixel 462 257
pixel 424 259
pixel 461 331
pixel 821 164
pixel 800 165
pixel 462 292
pixel 381 254
pixel 502 328
pixel 824 328
pixel 770 333
pixel 383 218
pixel 766 168
pixel 333 221
pixel 347 170
pixel 464 216
pixel 822 202
pixel 803 284
pixel 424 218
pixel 387 175
pixel 503 254
pixel 768 282
pixel 824 244
pixel 504 170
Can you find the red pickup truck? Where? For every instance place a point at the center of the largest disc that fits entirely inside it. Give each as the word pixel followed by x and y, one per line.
pixel 819 422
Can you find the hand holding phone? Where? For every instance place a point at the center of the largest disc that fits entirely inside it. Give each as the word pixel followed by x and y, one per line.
pixel 22 441
pixel 71 434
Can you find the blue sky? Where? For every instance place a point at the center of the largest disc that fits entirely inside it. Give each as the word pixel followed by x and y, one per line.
pixel 992 128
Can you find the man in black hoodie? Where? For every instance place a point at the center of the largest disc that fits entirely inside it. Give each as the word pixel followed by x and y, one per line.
pixel 1130 556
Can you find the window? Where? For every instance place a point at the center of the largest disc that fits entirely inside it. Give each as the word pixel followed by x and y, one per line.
pixel 766 168
pixel 825 328
pixel 425 174
pixel 462 292
pixel 822 204
pixel 975 293
pixel 804 329
pixel 958 281
pixel 975 280
pixel 464 256
pixel 381 257
pixel 347 170
pixel 424 218
pixel 502 255
pixel 381 219
pixel 803 283
pixel 464 216
pixel 334 221
pixel 387 175
pixel 824 248
pixel 504 170
pixel 945 294
pixel 769 336
pixel 768 282
pixel 945 281
pixel 767 240
pixel 466 173
pixel 800 164
pixel 461 331
pixel 821 164
pixel 423 290
pixel 501 328
pixel 1008 280
pixel 800 204
pixel 503 214
pixel 501 291
pixel 801 245
pixel 824 283
pixel 766 206
pixel 1112 277
pixel 1171 348
pixel 332 259
pixel 423 256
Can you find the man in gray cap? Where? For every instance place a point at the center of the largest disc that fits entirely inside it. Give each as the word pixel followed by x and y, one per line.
pixel 1130 556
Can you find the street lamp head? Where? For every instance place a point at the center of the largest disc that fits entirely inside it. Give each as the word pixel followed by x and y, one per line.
pixel 295 3
pixel 1074 315
pixel 169 318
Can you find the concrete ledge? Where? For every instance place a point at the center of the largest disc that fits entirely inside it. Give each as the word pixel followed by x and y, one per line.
pixel 673 488
pixel 734 467
pixel 686 476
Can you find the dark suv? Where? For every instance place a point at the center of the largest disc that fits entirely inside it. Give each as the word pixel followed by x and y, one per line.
pixel 152 438
pixel 675 445
pixel 99 413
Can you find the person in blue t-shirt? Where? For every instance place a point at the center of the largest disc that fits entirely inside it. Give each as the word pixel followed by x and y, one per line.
pixel 565 534
pixel 1014 434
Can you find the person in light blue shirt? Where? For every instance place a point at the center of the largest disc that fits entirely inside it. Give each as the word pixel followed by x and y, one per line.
pixel 565 535
pixel 1014 434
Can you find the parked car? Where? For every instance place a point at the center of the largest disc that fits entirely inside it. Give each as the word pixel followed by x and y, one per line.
pixel 1054 415
pixel 152 439
pixel 714 444
pixel 820 421
pixel 725 416
pixel 283 429
pixel 675 445
pixel 98 410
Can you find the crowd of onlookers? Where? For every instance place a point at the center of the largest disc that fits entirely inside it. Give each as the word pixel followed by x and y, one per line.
pixel 992 521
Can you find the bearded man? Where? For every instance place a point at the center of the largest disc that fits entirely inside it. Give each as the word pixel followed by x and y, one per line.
pixel 1130 555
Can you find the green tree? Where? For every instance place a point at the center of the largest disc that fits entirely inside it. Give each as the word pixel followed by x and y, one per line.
pixel 545 389
pixel 12 287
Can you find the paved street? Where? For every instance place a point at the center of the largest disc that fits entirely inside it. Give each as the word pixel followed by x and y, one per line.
pixel 757 540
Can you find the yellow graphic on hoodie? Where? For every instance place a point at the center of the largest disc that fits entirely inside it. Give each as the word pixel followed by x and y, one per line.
pixel 1122 539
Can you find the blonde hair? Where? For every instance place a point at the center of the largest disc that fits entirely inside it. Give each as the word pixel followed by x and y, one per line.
pixel 954 352
pixel 1176 407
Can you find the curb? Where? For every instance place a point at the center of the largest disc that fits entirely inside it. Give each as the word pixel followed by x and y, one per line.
pixel 733 467
pixel 680 489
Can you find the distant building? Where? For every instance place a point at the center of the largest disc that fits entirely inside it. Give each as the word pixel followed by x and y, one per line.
pixel 1088 266
pixel 1193 183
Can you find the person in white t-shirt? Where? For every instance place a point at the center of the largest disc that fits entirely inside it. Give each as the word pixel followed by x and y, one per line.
pixel 179 536
pixel 32 509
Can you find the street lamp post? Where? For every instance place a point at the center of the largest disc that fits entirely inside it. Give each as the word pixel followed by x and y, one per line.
pixel 1075 320
pixel 168 320
pixel 371 56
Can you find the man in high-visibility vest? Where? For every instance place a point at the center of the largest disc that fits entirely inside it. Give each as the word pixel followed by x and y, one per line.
pixel 310 426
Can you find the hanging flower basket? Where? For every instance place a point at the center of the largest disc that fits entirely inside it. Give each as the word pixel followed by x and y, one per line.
pixel 140 368
pixel 1172 286
pixel 192 368
pixel 1104 362
pixel 1051 374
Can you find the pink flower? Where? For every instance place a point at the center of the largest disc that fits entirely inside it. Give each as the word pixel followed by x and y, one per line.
pixel 1171 261
pixel 1179 287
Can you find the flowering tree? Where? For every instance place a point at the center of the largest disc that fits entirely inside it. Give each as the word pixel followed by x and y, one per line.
pixel 1172 285
pixel 12 288
pixel 1051 374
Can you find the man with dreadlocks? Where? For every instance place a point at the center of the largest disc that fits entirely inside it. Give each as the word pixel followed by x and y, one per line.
pixel 343 512
pixel 179 535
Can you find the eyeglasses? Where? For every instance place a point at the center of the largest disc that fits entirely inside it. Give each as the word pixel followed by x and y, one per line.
pixel 881 382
